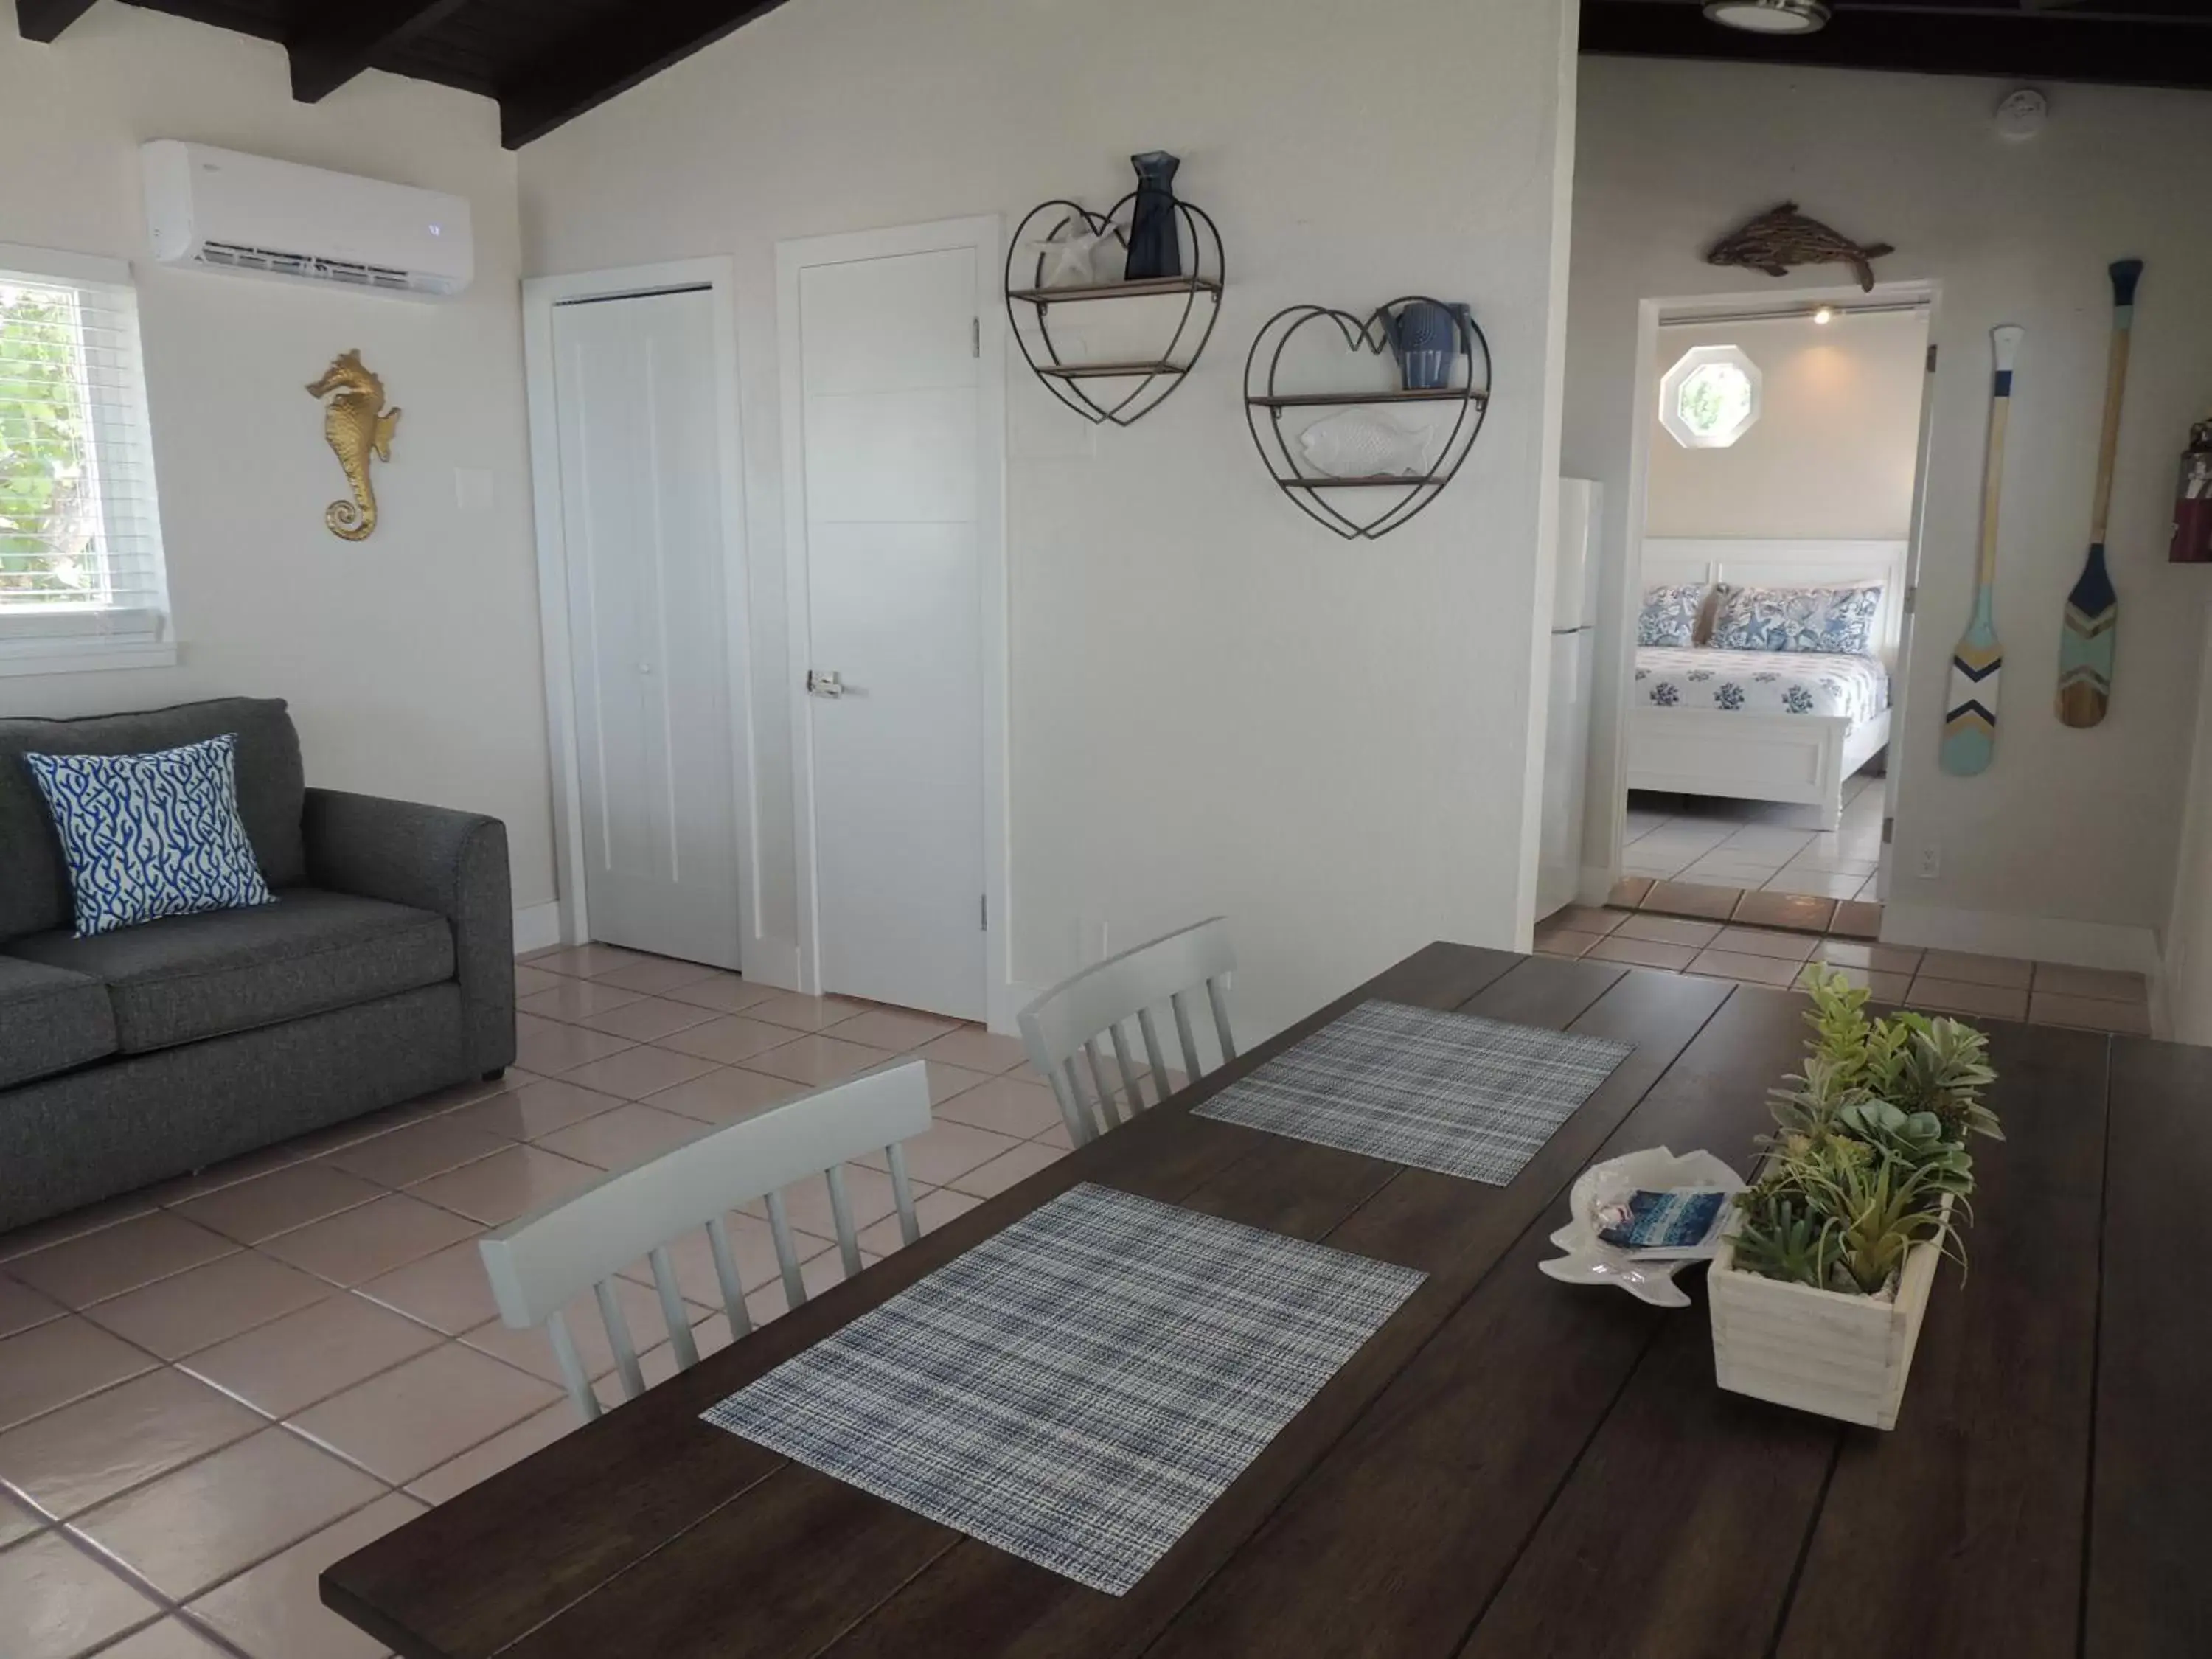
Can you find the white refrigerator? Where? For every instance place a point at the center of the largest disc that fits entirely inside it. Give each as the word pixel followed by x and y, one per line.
pixel 1566 735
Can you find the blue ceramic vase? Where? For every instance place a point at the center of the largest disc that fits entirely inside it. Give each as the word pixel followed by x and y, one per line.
pixel 1427 339
pixel 1155 249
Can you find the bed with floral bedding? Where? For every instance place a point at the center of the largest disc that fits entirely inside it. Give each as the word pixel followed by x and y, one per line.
pixel 1761 682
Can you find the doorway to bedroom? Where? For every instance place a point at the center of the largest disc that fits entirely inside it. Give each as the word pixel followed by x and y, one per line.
pixel 1770 606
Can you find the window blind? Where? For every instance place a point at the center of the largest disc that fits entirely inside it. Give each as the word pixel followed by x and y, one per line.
pixel 80 524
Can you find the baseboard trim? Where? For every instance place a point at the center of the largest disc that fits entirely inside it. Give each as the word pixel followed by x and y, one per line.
pixel 537 927
pixel 772 962
pixel 2035 939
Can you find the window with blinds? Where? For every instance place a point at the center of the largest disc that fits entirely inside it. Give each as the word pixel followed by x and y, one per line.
pixel 81 575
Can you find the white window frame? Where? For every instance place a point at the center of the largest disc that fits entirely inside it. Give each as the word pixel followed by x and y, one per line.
pixel 1670 396
pixel 77 639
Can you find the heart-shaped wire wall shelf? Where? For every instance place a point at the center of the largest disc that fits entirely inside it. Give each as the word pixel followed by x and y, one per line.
pixel 1268 400
pixel 1127 389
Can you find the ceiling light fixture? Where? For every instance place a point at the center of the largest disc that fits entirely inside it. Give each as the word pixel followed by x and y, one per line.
pixel 1825 314
pixel 1769 16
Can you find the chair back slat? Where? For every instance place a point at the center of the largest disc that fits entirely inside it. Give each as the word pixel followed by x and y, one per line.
pixel 841 1211
pixel 903 1193
pixel 1062 1029
pixel 538 1262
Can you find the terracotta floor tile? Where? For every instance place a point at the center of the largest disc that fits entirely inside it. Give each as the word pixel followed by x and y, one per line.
pixel 203 1305
pixel 209 1519
pixel 1864 953
pixel 751 1244
pixel 1759 942
pixel 119 1258
pixel 1884 986
pixel 59 1600
pixel 727 1039
pixel 1589 918
pixel 2089 1013
pixel 1857 919
pixel 17 1520
pixel 531 1350
pixel 2059 980
pixel 932 1210
pixel 1002 1172
pixel 1746 970
pixel 631 1133
pixel 825 1272
pixel 494 1190
pixel 573 1000
pixel 805 1014
pixel 637 1072
pixel 503 1450
pixel 22 1307
pixel 425 1413
pixel 1056 1136
pixel 421 1150
pixel 73 1224
pixel 977 1049
pixel 947 1081
pixel 818 1061
pixel 172 1639
pixel 1553 941
pixel 59 1361
pixel 1690 898
pixel 725 1095
pixel 1962 968
pixel 807 1203
pixel 277 1608
pixel 361 1243
pixel 1005 1105
pixel 71 1459
pixel 725 993
pixel 1773 909
pixel 535 1109
pixel 254 1210
pixel 588 961
pixel 551 1049
pixel 1628 892
pixel 228 1173
pixel 1641 953
pixel 1950 996
pixel 311 1355
pixel 1669 930
pixel 656 976
pixel 948 1149
pixel 530 981
pixel 647 1017
pixel 447 1290
pixel 895 1029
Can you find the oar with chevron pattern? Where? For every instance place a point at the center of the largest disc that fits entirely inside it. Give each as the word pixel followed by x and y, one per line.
pixel 2092 610
pixel 1969 716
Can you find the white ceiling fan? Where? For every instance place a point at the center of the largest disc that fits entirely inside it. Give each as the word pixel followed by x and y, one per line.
pixel 1807 16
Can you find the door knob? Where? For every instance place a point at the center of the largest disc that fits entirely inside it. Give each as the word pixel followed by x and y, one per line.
pixel 825 683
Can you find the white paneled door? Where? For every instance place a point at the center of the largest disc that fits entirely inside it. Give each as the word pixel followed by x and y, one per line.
pixel 893 669
pixel 641 498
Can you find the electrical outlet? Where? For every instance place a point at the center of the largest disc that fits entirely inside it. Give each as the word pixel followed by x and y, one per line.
pixel 1931 861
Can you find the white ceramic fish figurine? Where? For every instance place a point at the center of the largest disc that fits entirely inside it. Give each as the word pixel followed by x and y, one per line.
pixel 1369 443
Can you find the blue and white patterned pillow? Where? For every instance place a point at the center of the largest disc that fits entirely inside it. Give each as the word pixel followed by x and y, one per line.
pixel 1830 619
pixel 151 836
pixel 1670 614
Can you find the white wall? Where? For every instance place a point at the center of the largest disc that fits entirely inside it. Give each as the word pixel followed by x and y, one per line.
pixel 2068 843
pixel 1832 454
pixel 1215 705
pixel 411 660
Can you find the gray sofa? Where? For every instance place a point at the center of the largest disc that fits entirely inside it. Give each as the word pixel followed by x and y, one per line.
pixel 384 969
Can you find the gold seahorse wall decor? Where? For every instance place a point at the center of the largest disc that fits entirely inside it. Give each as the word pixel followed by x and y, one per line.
pixel 356 425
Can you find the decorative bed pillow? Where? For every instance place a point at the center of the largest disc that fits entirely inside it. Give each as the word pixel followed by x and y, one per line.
pixel 1670 614
pixel 1830 619
pixel 150 836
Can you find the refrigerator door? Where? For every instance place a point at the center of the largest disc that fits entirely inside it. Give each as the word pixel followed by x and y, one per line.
pixel 1566 753
pixel 1574 593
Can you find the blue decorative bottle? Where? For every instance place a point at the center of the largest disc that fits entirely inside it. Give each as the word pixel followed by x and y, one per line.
pixel 1427 339
pixel 1155 247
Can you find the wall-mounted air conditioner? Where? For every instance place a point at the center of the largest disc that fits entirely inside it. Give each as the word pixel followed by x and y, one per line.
pixel 215 210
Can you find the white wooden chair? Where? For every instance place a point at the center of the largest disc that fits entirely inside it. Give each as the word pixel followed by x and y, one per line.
pixel 1069 1019
pixel 538 1262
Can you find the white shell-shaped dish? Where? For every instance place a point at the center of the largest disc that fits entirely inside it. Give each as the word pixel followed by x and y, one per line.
pixel 1648 1275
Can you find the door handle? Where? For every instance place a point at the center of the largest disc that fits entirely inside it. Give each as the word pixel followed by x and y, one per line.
pixel 824 684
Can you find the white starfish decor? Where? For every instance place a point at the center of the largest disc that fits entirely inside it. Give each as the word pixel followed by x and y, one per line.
pixel 1073 257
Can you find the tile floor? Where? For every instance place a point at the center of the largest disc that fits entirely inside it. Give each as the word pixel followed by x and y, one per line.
pixel 1942 982
pixel 211 1390
pixel 1757 844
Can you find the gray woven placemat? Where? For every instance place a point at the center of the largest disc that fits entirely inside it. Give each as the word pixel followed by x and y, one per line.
pixel 1077 1389
pixel 1456 1093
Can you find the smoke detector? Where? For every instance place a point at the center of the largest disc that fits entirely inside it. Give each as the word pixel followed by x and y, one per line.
pixel 1770 16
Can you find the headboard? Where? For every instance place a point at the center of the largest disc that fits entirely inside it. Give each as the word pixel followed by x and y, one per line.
pixel 1744 561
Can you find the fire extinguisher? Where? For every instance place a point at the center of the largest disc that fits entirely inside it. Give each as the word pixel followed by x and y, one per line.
pixel 2192 504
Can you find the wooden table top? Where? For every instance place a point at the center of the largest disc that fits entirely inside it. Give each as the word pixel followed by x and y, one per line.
pixel 1512 1466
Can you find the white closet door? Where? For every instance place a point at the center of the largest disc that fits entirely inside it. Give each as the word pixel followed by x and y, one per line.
pixel 640 496
pixel 894 615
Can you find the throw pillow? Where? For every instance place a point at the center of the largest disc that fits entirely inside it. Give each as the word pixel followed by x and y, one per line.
pixel 150 836
pixel 1670 614
pixel 1836 620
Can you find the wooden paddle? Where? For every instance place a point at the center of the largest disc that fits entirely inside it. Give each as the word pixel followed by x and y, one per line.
pixel 2092 610
pixel 1970 715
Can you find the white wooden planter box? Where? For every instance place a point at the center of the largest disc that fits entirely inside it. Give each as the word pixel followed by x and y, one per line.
pixel 1819 1351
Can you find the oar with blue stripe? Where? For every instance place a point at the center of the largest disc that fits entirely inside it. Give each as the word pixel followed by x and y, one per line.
pixel 1970 717
pixel 2092 610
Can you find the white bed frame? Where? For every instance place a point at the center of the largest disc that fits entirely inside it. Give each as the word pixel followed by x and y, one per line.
pixel 1795 758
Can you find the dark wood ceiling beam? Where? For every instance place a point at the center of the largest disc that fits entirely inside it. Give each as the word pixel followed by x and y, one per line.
pixel 584 71
pixel 348 37
pixel 45 20
pixel 2028 45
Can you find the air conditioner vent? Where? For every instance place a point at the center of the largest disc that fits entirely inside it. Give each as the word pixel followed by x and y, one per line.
pixel 276 262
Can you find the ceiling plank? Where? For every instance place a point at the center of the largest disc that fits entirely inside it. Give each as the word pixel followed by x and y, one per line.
pixel 584 71
pixel 45 20
pixel 346 38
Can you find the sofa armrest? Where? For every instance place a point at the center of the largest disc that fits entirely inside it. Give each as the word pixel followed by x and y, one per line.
pixel 433 858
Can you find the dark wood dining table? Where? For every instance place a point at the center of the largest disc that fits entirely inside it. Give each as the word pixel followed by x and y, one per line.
pixel 1511 1466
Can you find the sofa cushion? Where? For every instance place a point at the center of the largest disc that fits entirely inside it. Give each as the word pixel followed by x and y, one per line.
pixel 187 977
pixel 34 890
pixel 50 1020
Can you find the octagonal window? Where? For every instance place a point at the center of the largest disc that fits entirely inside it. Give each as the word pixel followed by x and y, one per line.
pixel 1709 399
